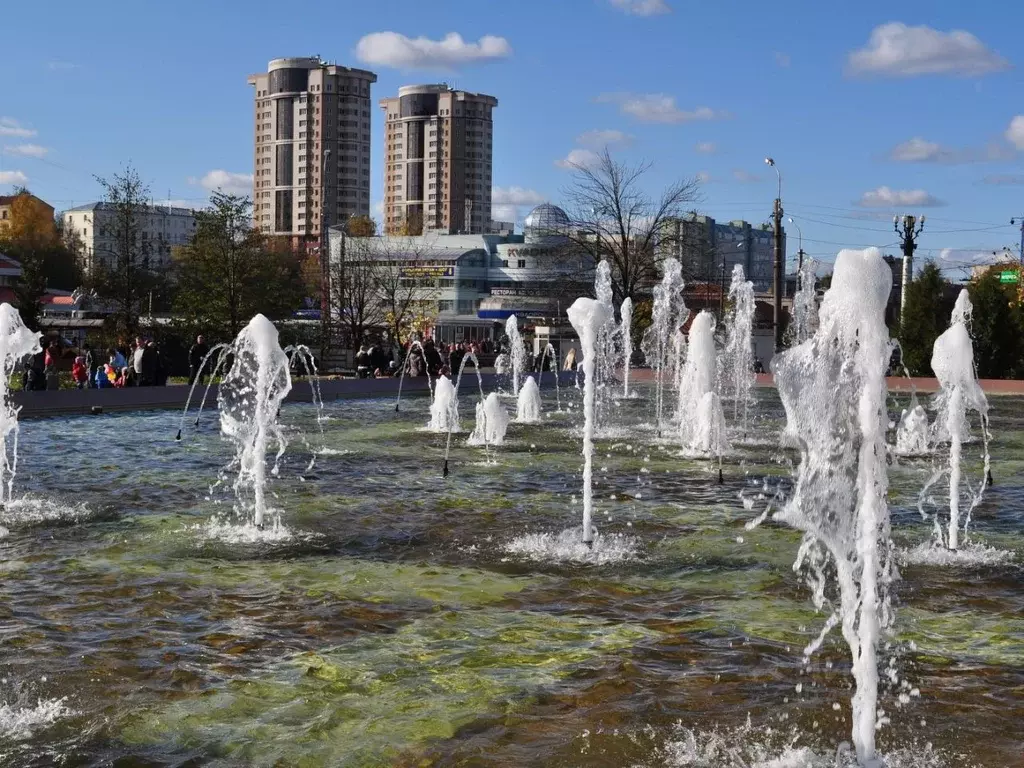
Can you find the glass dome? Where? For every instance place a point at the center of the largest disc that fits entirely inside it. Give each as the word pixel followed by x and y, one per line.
pixel 546 224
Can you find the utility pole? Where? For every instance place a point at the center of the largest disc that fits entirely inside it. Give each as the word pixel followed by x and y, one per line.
pixel 778 281
pixel 908 228
pixel 799 253
pixel 325 267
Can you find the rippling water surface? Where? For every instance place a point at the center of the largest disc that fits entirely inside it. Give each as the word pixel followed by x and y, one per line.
pixel 408 620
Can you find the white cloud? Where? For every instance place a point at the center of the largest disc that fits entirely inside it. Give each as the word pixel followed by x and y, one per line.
pixel 11 127
pixel 1004 179
pixel 506 202
pixel 706 147
pixel 17 178
pixel 1015 133
pixel 703 177
pixel 390 49
pixel 602 139
pixel 25 150
pixel 658 108
pixel 746 177
pixel 642 7
pixel 970 257
pixel 60 66
pixel 225 181
pixel 515 196
pixel 782 60
pixel 898 50
pixel 378 211
pixel 579 158
pixel 918 150
pixel 884 197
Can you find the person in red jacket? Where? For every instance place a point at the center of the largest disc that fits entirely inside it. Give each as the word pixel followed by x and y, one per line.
pixel 79 373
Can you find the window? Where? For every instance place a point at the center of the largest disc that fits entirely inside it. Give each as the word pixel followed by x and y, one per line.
pixel 504 263
pixel 522 264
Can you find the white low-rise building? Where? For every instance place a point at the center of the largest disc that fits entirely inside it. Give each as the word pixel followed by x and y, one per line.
pixel 159 229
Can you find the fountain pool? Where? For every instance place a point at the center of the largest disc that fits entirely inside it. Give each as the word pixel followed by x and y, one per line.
pixel 396 627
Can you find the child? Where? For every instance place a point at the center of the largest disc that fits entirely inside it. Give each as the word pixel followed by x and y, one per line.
pixel 79 373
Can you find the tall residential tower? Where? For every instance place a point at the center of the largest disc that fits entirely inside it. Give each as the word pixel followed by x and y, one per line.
pixel 437 161
pixel 312 147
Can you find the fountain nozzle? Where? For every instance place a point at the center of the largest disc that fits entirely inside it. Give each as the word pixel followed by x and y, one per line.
pixel 721 477
pixel 589 544
pixel 989 479
pixel 444 472
pixel 178 436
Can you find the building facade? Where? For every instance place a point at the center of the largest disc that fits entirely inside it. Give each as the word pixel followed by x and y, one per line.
pixel 159 229
pixel 708 250
pixel 470 284
pixel 437 161
pixel 312 147
pixel 7 203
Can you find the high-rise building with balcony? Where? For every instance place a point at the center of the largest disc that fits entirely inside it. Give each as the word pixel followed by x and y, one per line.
pixel 437 161
pixel 312 147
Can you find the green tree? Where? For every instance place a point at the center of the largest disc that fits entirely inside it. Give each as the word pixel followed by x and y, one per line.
pixel 229 272
pixel 997 327
pixel 925 316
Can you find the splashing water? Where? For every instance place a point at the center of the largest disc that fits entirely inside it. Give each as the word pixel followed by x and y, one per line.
pixel 444 410
pixel 833 390
pixel 588 317
pixel 625 332
pixel 912 432
pixel 528 407
pixel 453 425
pixel 517 353
pixel 657 344
pixel 738 356
pixel 16 343
pixel 805 303
pixel 953 363
pixel 405 366
pixel 605 354
pixel 491 422
pixel 701 421
pixel 249 399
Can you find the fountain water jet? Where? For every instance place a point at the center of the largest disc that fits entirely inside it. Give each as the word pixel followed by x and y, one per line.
pixel 805 309
pixel 528 407
pixel 405 367
pixel 516 352
pixel 588 317
pixel 16 343
pixel 833 389
pixel 491 422
pixel 625 332
pixel 738 362
pixel 550 354
pixel 668 313
pixel 912 432
pixel 249 399
pixel 701 421
pixel 953 363
pixel 444 410
pixel 458 382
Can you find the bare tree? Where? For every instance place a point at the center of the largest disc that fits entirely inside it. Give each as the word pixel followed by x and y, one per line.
pixel 405 281
pixel 614 218
pixel 354 289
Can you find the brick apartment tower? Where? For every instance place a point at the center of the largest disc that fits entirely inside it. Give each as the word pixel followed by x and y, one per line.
pixel 306 111
pixel 437 160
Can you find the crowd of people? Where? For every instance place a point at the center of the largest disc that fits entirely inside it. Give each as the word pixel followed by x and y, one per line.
pixel 141 363
pixel 417 357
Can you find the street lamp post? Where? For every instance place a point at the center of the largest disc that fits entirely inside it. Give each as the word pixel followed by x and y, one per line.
pixel 325 267
pixel 777 277
pixel 908 227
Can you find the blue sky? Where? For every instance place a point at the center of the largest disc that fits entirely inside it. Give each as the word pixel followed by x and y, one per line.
pixel 868 108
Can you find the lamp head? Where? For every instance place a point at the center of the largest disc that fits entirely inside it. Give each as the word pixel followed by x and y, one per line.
pixel 769 161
